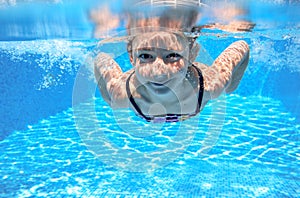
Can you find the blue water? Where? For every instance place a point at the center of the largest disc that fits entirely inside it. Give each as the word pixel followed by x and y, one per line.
pixel 257 154
pixel 53 144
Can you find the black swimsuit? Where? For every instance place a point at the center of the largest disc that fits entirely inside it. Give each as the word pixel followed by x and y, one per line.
pixel 167 117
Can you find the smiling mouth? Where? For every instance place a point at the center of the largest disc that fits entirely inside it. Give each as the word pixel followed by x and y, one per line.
pixel 159 85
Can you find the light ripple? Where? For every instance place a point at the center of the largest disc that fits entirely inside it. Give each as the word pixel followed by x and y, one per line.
pixel 241 158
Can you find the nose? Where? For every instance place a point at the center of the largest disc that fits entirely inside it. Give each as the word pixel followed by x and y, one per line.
pixel 161 71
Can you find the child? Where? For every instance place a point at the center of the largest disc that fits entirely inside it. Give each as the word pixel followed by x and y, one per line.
pixel 165 84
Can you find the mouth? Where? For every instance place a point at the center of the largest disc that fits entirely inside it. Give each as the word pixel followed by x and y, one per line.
pixel 159 84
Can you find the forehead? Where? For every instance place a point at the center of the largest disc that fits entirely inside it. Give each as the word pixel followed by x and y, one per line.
pixel 162 40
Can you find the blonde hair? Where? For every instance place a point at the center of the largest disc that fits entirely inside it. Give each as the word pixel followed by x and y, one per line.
pixel 170 20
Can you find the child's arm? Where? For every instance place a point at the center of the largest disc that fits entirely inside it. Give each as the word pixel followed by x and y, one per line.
pixel 111 81
pixel 227 70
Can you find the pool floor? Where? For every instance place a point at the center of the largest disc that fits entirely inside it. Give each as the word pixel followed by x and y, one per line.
pixel 256 155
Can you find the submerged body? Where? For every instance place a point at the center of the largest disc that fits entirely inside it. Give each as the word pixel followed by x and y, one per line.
pixel 165 83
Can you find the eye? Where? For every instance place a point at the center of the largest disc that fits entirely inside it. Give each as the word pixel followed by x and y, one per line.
pixel 173 57
pixel 146 58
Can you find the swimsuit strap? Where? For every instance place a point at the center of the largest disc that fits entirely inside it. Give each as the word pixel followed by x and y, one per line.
pixel 147 118
pixel 137 108
pixel 201 89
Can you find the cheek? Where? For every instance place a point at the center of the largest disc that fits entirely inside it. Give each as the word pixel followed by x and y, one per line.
pixel 177 66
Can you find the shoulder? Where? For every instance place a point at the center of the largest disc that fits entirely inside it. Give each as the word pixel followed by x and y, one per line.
pixel 210 76
pixel 118 89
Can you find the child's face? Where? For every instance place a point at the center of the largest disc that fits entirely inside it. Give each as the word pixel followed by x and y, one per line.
pixel 160 58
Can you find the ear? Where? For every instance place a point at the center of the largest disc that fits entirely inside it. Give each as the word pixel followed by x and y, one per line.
pixel 130 57
pixel 129 50
pixel 194 51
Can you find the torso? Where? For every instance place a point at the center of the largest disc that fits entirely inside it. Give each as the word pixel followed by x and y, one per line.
pixel 181 100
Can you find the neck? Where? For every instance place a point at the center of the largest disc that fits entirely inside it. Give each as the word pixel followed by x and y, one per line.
pixel 176 89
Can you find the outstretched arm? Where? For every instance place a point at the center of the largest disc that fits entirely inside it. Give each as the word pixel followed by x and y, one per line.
pixel 111 80
pixel 227 70
pixel 242 59
pixel 231 65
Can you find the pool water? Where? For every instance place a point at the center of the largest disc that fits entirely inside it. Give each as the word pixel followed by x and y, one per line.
pixel 53 144
pixel 257 154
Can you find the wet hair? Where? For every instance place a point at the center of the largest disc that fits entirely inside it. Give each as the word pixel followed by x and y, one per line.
pixel 191 40
pixel 179 21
